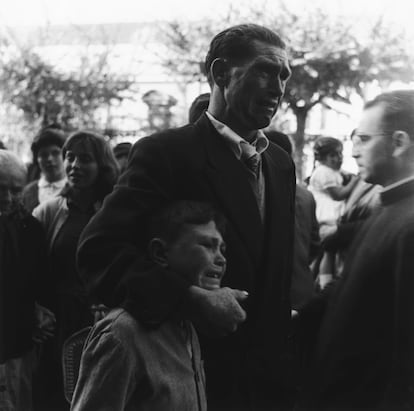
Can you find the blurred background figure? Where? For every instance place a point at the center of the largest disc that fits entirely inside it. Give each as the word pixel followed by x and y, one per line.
pixel 23 279
pixel 2 146
pixel 47 156
pixel 91 171
pixel 121 152
pixel 198 107
pixel 327 185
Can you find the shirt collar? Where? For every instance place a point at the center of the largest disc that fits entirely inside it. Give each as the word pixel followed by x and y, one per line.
pixel 397 184
pixel 235 142
pixel 56 184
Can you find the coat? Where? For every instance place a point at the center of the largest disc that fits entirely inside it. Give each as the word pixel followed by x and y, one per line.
pixel 24 279
pixel 364 356
pixel 194 163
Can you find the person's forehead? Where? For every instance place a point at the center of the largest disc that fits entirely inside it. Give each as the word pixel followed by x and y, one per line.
pixel 371 120
pixel 202 230
pixel 271 51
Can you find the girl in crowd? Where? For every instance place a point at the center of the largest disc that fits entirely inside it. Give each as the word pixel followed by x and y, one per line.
pixel 327 185
pixel 91 171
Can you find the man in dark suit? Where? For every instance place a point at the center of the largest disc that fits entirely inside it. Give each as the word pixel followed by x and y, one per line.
pixel 364 357
pixel 224 159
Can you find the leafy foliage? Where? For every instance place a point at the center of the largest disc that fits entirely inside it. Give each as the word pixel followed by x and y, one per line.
pixel 46 95
pixel 331 57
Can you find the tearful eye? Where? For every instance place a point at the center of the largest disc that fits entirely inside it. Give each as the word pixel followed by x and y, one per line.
pixel 69 157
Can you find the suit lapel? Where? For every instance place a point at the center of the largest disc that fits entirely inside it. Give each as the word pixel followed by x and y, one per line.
pixel 278 193
pixel 234 194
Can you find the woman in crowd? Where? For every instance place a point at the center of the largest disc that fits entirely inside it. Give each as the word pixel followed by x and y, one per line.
pixel 91 171
pixel 327 186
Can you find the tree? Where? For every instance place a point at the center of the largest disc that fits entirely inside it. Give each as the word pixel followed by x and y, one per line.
pixel 331 58
pixel 46 95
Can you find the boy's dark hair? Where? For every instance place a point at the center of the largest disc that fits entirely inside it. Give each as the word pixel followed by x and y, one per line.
pixel 237 43
pixel 169 221
pixel 47 136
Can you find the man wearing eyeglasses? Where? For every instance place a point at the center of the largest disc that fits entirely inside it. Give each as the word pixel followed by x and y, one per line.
pixel 364 355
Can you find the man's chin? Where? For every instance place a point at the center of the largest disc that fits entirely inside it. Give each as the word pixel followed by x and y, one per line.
pixel 262 123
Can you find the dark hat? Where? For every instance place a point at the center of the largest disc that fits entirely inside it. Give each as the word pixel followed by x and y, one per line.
pixel 122 149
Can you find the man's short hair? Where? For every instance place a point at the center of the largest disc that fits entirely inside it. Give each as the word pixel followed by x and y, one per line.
pixel 398 110
pixel 169 222
pixel 47 136
pixel 237 43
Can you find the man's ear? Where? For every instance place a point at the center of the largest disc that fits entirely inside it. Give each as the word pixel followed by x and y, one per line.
pixel 157 250
pixel 401 142
pixel 219 72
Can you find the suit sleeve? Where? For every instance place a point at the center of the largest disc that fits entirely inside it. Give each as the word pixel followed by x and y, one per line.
pixel 112 248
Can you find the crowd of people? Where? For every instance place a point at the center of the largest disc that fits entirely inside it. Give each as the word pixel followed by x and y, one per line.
pixel 202 275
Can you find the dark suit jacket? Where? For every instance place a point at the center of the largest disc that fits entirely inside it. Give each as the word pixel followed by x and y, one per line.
pixel 194 163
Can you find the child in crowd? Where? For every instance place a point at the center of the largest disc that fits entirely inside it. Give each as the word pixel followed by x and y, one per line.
pixel 327 186
pixel 126 366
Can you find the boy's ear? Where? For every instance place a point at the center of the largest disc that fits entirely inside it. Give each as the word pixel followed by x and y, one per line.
pixel 401 142
pixel 219 71
pixel 157 249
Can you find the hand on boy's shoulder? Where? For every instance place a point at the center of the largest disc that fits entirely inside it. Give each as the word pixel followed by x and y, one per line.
pixel 217 312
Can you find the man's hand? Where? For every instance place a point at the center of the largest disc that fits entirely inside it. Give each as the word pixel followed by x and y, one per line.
pixel 217 312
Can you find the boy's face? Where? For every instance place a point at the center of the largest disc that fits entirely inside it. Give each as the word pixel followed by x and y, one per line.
pixel 198 254
pixel 50 161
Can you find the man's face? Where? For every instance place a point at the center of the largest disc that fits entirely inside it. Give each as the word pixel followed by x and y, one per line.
pixel 255 88
pixel 50 162
pixel 11 187
pixel 372 148
pixel 198 254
